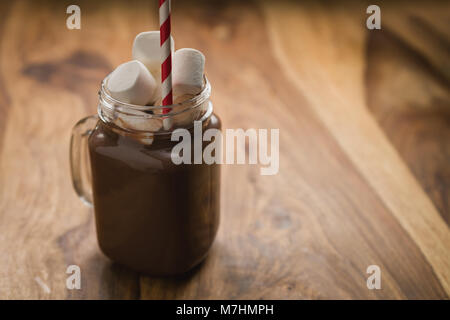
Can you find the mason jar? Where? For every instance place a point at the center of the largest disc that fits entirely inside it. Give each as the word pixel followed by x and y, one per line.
pixel 151 214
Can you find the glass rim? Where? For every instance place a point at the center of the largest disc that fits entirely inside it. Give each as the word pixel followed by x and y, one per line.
pixel 113 103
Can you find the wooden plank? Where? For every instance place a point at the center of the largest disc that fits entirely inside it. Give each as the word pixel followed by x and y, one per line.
pixel 343 198
pixel 348 119
pixel 52 76
pixel 413 52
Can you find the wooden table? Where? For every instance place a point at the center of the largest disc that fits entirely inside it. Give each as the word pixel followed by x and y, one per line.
pixel 364 119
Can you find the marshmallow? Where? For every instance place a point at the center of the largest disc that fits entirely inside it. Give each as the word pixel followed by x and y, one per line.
pixel 187 72
pixel 146 138
pixel 176 99
pixel 181 119
pixel 147 126
pixel 140 124
pixel 147 49
pixel 131 82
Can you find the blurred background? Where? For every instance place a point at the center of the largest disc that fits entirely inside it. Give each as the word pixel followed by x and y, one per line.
pixel 364 119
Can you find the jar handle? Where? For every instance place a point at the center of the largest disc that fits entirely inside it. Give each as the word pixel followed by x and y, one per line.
pixel 79 158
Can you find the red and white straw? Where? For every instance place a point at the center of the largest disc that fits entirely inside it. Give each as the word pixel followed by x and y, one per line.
pixel 166 53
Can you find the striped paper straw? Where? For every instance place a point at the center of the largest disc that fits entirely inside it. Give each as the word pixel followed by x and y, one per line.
pixel 166 53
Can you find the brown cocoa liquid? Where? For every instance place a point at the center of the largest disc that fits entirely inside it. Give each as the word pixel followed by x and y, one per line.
pixel 152 215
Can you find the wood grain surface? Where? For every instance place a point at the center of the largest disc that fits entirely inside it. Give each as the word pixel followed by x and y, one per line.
pixel 364 119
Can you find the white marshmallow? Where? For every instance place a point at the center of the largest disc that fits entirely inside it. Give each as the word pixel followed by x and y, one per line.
pixel 176 99
pixel 140 124
pixel 147 49
pixel 131 82
pixel 180 119
pixel 187 72
pixel 150 126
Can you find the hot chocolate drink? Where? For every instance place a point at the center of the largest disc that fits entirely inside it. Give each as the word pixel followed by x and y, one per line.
pixel 152 215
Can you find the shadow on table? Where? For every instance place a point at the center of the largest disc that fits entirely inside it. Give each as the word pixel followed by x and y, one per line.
pixel 173 287
pixel 119 282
